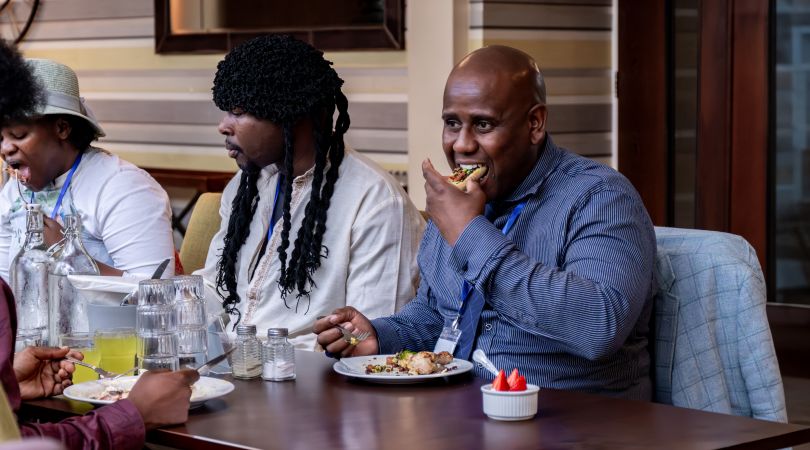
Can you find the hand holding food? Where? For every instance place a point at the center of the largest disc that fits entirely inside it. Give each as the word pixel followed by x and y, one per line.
pixel 162 397
pixel 449 208
pixel 465 173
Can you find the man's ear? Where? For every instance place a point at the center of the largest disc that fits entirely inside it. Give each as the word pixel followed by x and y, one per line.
pixel 62 128
pixel 537 123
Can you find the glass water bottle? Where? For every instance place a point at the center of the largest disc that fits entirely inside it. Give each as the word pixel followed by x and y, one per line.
pixel 29 281
pixel 68 311
pixel 246 360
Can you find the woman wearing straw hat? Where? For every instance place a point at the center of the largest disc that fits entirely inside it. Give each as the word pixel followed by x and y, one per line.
pixel 158 398
pixel 125 213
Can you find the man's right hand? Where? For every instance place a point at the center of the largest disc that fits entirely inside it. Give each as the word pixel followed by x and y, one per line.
pixel 162 397
pixel 332 340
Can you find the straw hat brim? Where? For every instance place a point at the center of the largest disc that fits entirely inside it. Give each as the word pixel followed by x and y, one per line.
pixel 48 110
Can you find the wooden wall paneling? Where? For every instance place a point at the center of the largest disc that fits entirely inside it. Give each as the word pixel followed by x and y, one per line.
pixel 571 41
pixel 643 117
pixel 714 116
pixel 733 108
pixel 748 215
pixel 93 9
pixel 543 16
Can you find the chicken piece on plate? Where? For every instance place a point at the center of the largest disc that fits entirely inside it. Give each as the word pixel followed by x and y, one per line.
pixel 423 363
pixel 444 358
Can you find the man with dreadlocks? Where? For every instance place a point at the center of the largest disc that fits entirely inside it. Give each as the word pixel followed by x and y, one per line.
pixel 308 225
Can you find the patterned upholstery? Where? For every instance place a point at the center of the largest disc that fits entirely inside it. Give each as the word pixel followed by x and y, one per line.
pixel 713 346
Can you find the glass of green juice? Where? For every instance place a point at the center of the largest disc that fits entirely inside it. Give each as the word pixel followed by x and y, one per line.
pixel 84 343
pixel 117 348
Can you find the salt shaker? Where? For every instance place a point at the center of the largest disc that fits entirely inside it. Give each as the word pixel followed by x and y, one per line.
pixel 278 356
pixel 246 361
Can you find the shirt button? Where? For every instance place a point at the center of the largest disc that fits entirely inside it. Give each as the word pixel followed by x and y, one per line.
pixel 464 267
pixel 480 366
pixel 488 327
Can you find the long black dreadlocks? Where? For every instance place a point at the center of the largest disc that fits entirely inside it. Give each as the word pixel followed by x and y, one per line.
pixel 283 80
pixel 19 93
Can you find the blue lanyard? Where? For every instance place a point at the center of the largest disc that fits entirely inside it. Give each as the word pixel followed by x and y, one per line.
pixel 65 186
pixel 466 288
pixel 273 211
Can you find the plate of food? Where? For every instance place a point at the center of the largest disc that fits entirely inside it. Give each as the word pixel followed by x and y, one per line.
pixel 402 368
pixel 105 392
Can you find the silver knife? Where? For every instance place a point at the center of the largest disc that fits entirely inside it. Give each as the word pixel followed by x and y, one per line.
pixel 160 269
pixel 156 275
pixel 214 361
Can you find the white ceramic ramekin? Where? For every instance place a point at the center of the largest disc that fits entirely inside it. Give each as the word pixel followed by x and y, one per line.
pixel 510 405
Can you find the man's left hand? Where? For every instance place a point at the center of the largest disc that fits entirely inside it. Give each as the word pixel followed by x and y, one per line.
pixel 451 209
pixel 41 371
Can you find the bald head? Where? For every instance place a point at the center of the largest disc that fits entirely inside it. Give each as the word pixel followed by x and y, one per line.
pixel 499 60
pixel 495 116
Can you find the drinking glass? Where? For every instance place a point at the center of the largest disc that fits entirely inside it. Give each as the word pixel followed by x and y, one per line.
pixel 157 351
pixel 27 338
pixel 84 343
pixel 156 323
pixel 219 342
pixel 191 320
pixel 117 348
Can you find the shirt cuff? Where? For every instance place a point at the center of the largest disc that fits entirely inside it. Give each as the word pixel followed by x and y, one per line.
pixel 387 335
pixel 475 247
pixel 123 417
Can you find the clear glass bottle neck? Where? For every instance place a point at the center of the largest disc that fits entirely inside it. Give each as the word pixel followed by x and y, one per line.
pixel 34 228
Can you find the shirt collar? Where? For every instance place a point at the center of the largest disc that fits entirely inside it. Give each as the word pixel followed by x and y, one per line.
pixel 548 161
pixel 269 171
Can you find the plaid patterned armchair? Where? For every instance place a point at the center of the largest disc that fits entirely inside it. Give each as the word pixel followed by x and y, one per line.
pixel 713 348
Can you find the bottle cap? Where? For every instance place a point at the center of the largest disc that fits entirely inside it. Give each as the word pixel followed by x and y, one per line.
pixel 246 330
pixel 277 332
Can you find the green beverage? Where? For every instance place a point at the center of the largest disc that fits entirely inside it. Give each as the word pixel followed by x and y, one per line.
pixel 82 342
pixel 117 348
pixel 82 374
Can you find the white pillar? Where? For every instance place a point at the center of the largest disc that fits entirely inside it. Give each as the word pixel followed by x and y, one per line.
pixel 437 37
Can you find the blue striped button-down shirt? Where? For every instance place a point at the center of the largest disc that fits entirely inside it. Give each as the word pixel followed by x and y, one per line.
pixel 568 291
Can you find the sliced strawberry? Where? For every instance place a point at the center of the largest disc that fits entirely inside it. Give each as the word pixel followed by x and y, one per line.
pixel 500 384
pixel 513 377
pixel 519 384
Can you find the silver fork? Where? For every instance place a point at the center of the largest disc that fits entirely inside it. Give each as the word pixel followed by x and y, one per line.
pixel 102 374
pixel 351 338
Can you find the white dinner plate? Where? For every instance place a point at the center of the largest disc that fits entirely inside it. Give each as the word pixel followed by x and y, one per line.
pixel 356 367
pixel 206 388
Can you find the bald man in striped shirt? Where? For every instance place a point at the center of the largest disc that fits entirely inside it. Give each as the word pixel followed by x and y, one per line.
pixel 546 261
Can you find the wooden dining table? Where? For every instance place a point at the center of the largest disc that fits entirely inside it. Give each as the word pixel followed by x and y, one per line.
pixel 322 409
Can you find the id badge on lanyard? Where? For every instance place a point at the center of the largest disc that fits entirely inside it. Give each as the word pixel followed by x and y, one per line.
pixel 451 333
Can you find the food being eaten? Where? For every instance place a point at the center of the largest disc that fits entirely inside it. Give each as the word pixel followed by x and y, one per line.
pixel 119 389
pixel 464 173
pixel 16 174
pixel 112 392
pixel 414 363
